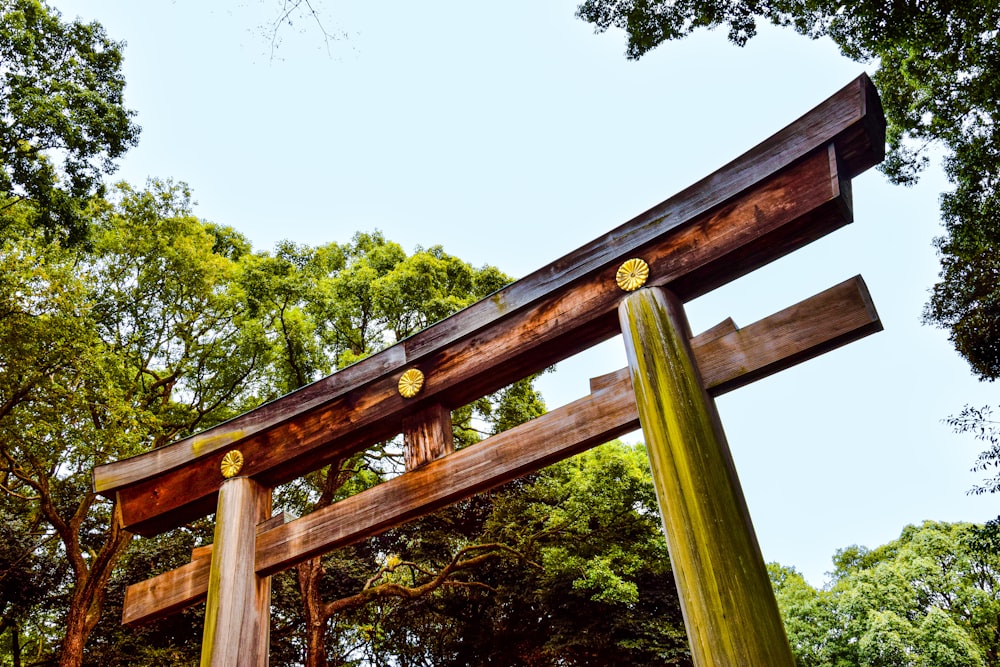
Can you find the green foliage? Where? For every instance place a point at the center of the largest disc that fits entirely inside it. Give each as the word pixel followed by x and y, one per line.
pixel 928 598
pixel 62 119
pixel 330 306
pixel 162 325
pixel 939 78
pixel 808 615
pixel 31 576
pixel 108 349
pixel 327 307
pixel 174 640
pixel 593 586
pixel 979 422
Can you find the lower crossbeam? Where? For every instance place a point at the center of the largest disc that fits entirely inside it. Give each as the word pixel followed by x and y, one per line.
pixel 727 358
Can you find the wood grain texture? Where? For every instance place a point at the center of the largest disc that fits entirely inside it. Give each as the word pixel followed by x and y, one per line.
pixel 164 594
pixel 494 461
pixel 834 317
pixel 238 605
pixel 427 435
pixel 730 613
pixel 778 214
pixel 725 354
pixel 851 120
pixel 167 593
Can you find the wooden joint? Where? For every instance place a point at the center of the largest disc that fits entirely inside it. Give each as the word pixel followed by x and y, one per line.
pixel 427 436
pixel 205 551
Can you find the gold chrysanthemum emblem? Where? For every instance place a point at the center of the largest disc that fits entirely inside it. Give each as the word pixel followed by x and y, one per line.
pixel 232 463
pixel 632 274
pixel 410 383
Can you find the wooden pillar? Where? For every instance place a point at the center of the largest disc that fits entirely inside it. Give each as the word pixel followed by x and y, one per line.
pixel 237 613
pixel 729 608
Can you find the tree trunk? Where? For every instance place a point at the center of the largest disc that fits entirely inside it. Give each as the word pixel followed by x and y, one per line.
pixel 71 651
pixel 87 600
pixel 15 644
pixel 310 574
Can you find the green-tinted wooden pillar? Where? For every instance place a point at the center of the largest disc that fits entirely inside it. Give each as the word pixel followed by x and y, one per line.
pixel 237 611
pixel 729 608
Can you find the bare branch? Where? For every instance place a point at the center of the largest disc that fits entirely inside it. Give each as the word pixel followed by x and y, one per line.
pixel 289 9
pixel 460 561
pixel 11 492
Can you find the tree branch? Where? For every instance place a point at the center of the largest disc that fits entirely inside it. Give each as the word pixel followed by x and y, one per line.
pixel 458 563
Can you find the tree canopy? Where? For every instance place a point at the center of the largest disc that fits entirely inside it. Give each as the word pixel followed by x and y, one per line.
pixel 107 349
pixel 63 122
pixel 583 579
pixel 928 598
pixel 159 326
pixel 938 72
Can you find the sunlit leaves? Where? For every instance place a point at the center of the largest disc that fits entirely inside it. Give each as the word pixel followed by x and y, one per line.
pixel 62 115
pixel 605 592
pixel 929 598
pixel 107 349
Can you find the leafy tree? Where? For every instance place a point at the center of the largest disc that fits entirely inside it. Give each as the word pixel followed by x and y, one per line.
pixel 164 324
pixel 930 598
pixel 327 307
pixel 175 640
pixel 980 423
pixel 590 583
pixel 809 616
pixel 62 119
pixel 381 600
pixel 939 76
pixel 32 574
pixel 605 590
pixel 105 351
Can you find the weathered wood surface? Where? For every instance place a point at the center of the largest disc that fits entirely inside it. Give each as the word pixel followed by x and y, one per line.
pixel 851 119
pixel 835 317
pixel 729 609
pixel 161 596
pixel 781 213
pixel 725 354
pixel 427 435
pixel 238 606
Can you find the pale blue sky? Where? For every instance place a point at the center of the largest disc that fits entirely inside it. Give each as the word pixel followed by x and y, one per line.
pixel 511 134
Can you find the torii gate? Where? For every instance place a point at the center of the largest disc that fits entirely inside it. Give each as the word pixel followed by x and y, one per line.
pixel 786 192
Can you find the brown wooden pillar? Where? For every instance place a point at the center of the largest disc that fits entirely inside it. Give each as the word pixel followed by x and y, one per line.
pixel 237 613
pixel 729 608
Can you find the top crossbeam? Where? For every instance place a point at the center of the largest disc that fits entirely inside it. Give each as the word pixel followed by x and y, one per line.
pixel 789 190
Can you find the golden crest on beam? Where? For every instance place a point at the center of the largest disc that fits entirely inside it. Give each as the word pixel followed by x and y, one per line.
pixel 632 274
pixel 410 383
pixel 232 463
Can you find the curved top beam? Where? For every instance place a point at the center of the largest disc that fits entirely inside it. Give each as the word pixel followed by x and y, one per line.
pixel 787 191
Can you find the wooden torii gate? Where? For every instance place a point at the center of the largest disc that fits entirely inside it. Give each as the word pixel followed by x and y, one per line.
pixel 786 192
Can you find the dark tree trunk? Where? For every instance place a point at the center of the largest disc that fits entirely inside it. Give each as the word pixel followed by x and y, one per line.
pixel 15 645
pixel 310 574
pixel 87 600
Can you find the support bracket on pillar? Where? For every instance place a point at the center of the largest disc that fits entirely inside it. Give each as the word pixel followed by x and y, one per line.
pixel 427 435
